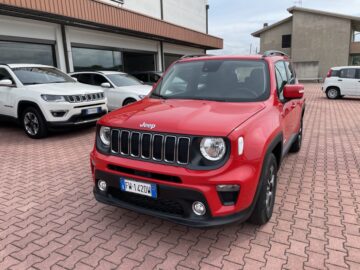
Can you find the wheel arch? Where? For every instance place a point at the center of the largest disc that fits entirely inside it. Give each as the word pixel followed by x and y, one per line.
pixel 333 86
pixel 23 104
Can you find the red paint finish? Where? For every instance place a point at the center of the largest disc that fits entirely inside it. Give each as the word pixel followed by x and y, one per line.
pixel 259 123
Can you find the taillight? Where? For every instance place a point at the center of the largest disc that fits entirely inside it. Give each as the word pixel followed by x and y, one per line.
pixel 329 73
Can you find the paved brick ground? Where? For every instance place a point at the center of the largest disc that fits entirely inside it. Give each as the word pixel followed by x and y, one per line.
pixel 49 219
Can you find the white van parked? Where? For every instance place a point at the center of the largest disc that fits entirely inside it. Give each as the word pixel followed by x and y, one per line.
pixel 42 98
pixel 342 81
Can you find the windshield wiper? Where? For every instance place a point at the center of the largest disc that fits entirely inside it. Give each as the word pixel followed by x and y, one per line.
pixel 158 95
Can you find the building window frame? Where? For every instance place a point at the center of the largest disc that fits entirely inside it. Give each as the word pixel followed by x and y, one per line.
pixel 286 41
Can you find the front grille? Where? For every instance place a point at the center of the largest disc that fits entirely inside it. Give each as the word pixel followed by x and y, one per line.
pixel 84 98
pixel 151 146
pixel 159 205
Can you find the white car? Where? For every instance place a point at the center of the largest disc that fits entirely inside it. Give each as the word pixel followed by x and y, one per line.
pixel 342 81
pixel 120 88
pixel 42 98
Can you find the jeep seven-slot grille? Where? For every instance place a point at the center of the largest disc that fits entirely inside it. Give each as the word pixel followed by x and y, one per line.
pixel 151 146
pixel 84 98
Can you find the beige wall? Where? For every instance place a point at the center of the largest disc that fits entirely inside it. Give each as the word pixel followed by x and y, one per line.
pixel 272 39
pixel 320 38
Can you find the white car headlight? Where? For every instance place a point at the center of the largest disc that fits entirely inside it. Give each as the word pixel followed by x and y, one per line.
pixel 105 135
pixel 213 149
pixel 53 98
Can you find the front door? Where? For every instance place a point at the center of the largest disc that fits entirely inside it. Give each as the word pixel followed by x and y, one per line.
pixel 6 106
pixel 286 108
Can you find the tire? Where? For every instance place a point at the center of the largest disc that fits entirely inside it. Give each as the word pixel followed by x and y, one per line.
pixel 34 123
pixel 265 204
pixel 129 101
pixel 333 93
pixel 296 146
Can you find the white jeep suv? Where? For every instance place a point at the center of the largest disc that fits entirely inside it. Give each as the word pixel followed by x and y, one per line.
pixel 43 98
pixel 342 81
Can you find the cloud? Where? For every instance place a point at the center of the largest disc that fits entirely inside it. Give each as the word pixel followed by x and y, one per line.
pixel 235 20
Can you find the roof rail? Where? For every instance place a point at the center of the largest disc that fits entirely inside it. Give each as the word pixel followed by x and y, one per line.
pixel 4 64
pixel 195 55
pixel 274 53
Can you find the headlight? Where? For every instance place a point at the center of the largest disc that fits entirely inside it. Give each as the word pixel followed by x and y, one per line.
pixel 104 134
pixel 53 98
pixel 213 148
pixel 142 96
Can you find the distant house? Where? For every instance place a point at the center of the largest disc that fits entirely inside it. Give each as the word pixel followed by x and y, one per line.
pixel 315 40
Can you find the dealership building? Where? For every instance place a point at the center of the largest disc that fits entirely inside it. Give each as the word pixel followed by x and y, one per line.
pixel 316 40
pixel 120 35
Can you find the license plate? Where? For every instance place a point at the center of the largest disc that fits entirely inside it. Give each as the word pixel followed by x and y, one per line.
pixel 141 188
pixel 92 111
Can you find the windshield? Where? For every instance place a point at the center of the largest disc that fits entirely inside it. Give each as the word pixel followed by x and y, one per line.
pixel 41 75
pixel 218 80
pixel 121 80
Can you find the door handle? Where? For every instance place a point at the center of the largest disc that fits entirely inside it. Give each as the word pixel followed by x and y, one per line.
pixel 340 80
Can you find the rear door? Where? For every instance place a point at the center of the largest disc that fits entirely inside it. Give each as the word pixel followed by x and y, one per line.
pixel 348 82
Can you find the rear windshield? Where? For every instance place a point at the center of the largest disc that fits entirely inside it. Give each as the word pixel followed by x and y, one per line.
pixel 41 75
pixel 218 80
pixel 121 80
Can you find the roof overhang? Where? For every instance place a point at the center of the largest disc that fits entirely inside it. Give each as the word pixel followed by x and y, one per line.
pixel 104 17
pixel 259 32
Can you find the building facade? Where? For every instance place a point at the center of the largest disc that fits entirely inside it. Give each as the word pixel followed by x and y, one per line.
pixel 120 35
pixel 315 40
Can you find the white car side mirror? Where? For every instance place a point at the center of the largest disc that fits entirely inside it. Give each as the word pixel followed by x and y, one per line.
pixel 7 83
pixel 106 85
pixel 75 79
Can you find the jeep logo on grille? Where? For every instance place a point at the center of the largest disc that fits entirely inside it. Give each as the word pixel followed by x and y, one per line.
pixel 146 125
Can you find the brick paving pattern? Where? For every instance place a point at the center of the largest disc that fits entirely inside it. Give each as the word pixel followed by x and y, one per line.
pixel 50 220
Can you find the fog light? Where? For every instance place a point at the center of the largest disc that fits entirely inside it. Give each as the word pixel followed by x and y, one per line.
pixel 102 185
pixel 59 113
pixel 199 208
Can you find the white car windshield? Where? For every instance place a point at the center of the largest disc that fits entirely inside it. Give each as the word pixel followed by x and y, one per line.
pixel 121 80
pixel 41 75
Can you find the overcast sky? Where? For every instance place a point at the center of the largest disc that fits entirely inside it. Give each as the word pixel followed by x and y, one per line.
pixel 235 20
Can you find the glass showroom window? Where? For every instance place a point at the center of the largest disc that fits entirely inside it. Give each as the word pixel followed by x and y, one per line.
pixel 86 59
pixel 31 53
pixel 355 60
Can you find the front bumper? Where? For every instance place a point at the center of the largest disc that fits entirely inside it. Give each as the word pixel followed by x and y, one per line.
pixel 244 174
pixel 77 120
pixel 173 203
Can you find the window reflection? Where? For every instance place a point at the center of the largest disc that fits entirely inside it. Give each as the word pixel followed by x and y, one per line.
pixel 86 59
pixel 29 53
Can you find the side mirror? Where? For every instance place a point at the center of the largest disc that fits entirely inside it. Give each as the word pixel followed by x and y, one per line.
pixel 293 91
pixel 75 79
pixel 7 83
pixel 106 85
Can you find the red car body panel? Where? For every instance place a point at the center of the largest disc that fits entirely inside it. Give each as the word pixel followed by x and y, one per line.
pixel 259 123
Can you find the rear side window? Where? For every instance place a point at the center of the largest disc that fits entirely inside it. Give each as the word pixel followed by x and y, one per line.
pixel 335 73
pixel 348 73
pixel 85 78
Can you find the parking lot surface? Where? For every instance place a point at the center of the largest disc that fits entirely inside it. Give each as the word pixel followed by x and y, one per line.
pixel 49 218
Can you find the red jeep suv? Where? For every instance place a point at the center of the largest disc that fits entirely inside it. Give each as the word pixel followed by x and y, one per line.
pixel 204 148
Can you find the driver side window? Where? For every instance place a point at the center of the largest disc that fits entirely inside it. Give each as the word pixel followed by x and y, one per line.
pixel 4 75
pixel 281 78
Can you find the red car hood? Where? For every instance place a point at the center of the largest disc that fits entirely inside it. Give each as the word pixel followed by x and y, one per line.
pixel 194 117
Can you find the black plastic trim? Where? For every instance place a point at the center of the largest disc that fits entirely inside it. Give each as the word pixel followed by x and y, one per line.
pixel 182 195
